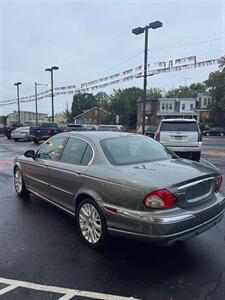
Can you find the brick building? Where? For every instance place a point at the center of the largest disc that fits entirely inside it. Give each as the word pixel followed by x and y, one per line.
pixel 151 112
pixel 94 115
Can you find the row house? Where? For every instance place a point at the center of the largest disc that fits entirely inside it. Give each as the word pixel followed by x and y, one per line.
pixel 165 108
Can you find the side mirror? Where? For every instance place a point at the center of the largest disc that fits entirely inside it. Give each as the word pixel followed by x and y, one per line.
pixel 29 153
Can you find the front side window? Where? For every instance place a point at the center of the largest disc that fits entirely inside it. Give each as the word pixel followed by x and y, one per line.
pixel 133 150
pixel 76 152
pixel 52 148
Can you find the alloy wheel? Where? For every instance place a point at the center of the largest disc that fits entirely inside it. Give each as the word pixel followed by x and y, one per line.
pixel 18 181
pixel 90 223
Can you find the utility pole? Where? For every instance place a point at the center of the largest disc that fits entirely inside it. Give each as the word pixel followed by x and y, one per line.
pixel 36 106
pixel 18 99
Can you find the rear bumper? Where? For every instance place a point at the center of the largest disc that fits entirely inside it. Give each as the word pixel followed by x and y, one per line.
pixel 184 149
pixel 170 238
pixel 168 226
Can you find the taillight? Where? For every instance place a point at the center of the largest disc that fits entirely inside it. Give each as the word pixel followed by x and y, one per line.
pixel 199 136
pixel 160 199
pixel 219 183
pixel 157 136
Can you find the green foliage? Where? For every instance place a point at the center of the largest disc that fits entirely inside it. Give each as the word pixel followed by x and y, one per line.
pixel 216 86
pixel 82 102
pixel 186 91
pixel 154 94
pixel 124 103
pixel 103 100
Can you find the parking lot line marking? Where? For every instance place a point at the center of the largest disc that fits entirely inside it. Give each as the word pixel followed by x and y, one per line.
pixel 7 289
pixel 68 293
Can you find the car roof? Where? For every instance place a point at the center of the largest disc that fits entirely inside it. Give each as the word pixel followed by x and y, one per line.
pixel 179 120
pixel 97 135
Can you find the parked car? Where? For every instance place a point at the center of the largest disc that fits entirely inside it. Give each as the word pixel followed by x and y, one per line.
pixel 110 128
pixel 215 131
pixel 182 136
pixel 79 127
pixel 150 131
pixel 44 131
pixel 122 183
pixel 2 129
pixel 21 133
pixel 10 128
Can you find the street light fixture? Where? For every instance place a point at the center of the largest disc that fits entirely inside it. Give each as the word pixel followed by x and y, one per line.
pixel 18 99
pixel 52 89
pixel 140 30
pixel 36 108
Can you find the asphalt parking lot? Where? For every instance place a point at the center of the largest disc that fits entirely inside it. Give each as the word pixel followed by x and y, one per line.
pixel 42 256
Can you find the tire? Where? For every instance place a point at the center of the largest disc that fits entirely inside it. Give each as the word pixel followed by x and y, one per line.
pixel 19 183
pixel 16 140
pixel 8 137
pixel 94 236
pixel 196 156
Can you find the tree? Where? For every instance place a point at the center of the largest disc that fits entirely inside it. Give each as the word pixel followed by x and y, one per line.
pixel 154 93
pixel 68 114
pixel 124 103
pixel 103 100
pixel 82 102
pixel 186 91
pixel 216 86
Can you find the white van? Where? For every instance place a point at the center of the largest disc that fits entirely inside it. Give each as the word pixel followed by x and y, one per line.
pixel 182 136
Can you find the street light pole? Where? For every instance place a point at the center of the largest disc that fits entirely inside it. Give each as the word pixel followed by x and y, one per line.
pixel 36 107
pixel 18 99
pixel 137 31
pixel 52 88
pixel 145 79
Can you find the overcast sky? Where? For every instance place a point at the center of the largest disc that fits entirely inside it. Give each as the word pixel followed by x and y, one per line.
pixel 91 39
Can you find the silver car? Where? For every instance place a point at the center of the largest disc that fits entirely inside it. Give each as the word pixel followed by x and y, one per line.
pixel 21 133
pixel 123 184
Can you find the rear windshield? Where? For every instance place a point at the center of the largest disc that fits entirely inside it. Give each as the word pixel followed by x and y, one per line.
pixel 133 150
pixel 179 126
pixel 21 129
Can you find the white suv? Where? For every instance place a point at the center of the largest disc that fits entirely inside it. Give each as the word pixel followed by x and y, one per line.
pixel 182 136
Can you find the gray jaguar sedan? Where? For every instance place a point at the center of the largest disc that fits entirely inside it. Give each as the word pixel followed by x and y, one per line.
pixel 124 184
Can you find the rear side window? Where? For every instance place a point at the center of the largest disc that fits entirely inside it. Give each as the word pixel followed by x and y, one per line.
pixel 179 126
pixel 77 152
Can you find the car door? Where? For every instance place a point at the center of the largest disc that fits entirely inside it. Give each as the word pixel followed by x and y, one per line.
pixel 37 170
pixel 67 174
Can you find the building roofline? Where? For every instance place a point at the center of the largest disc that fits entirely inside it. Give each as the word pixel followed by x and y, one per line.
pixel 86 111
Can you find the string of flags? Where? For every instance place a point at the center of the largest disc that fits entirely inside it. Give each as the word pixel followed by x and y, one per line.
pixel 124 76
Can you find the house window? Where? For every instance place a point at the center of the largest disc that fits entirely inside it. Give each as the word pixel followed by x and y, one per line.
pixel 183 106
pixel 148 107
pixel 205 101
pixel 166 106
pixel 163 106
pixel 170 106
pixel 191 106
